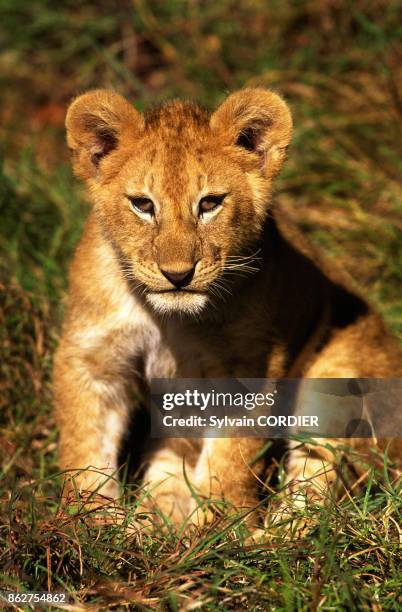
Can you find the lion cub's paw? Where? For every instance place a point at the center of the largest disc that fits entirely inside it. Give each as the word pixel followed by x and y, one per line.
pixel 205 511
pixel 202 512
pixel 290 521
pixel 165 508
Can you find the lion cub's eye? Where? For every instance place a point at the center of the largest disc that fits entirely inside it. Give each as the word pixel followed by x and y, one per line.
pixel 210 202
pixel 143 205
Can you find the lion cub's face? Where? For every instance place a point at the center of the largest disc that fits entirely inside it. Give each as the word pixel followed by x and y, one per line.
pixel 180 194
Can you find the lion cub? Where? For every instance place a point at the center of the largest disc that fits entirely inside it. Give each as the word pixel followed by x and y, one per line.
pixel 181 201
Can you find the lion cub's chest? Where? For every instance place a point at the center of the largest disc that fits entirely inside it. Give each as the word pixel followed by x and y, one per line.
pixel 176 351
pixel 171 353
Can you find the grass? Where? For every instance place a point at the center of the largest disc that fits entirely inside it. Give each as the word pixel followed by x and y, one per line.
pixel 339 66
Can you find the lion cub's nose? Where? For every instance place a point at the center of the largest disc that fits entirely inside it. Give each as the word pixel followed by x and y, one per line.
pixel 179 279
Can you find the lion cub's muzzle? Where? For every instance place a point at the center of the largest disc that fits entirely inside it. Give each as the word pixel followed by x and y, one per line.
pixel 177 254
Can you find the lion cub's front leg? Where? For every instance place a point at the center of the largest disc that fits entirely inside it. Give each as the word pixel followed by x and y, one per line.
pixel 91 411
pixel 168 480
pixel 227 470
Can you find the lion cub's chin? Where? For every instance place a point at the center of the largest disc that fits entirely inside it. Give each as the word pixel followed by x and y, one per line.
pixel 178 301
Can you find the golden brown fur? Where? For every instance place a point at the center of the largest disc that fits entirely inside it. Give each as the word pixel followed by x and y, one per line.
pixel 289 313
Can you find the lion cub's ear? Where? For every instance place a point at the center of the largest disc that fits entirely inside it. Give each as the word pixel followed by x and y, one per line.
pixel 97 123
pixel 257 120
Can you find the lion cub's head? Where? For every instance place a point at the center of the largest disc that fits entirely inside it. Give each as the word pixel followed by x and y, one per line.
pixel 180 194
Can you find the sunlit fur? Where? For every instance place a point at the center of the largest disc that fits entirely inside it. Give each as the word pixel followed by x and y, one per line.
pixel 261 301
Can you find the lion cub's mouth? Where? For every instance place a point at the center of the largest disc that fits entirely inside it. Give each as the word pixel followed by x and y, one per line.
pixel 177 290
pixel 183 300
